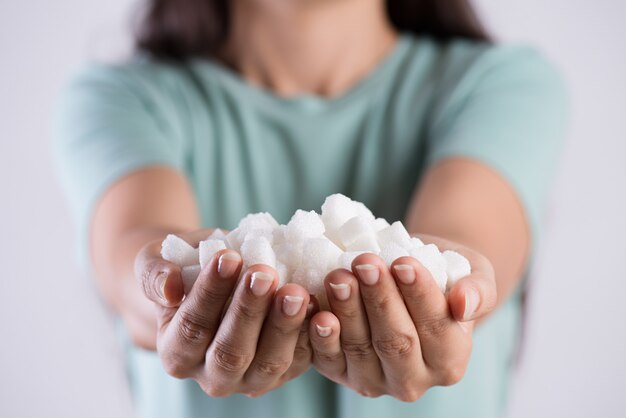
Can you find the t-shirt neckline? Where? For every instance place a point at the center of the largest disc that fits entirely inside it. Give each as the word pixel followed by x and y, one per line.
pixel 308 102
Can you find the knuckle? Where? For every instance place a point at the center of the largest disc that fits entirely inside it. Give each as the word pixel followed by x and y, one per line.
pixel 433 326
pixel 452 375
pixel 208 295
pixel 395 345
pixel 369 391
pixel 230 360
pixel 246 312
pixel 326 357
pixel 175 365
pixel 357 349
pixel 379 303
pixel 192 328
pixel 215 390
pixel 271 368
pixel 409 394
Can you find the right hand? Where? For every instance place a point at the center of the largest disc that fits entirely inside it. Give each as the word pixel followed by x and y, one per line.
pixel 261 341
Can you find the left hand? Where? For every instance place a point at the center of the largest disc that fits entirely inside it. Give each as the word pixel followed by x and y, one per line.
pixel 392 331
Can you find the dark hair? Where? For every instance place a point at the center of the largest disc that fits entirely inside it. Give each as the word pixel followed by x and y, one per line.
pixel 179 29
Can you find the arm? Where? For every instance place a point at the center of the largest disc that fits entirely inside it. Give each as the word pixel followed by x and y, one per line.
pixel 468 203
pixel 139 208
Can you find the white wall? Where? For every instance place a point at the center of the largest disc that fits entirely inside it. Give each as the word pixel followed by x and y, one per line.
pixel 58 357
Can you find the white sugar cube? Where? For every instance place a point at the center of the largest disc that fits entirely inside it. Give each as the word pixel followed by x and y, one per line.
pixel 258 251
pixel 178 251
pixel 365 243
pixel 217 234
pixel 320 252
pixel 289 254
pixel 346 259
pixel 353 229
pixel 395 233
pixel 416 243
pixel 430 257
pixel 283 273
pixel 268 234
pixel 338 209
pixel 279 235
pixel 379 224
pixel 304 225
pixel 234 239
pixel 189 275
pixel 309 278
pixel 208 248
pixel 457 266
pixel 392 251
pixel 261 220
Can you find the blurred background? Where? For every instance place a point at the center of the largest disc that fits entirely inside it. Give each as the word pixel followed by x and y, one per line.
pixel 58 356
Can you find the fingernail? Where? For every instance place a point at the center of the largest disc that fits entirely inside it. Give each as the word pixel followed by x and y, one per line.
pixel 340 290
pixel 368 273
pixel 260 283
pixel 292 305
pixel 471 303
pixel 323 331
pixel 161 281
pixel 227 264
pixel 309 309
pixel 405 273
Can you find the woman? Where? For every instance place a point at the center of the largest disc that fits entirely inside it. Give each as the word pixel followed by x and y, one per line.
pixel 240 106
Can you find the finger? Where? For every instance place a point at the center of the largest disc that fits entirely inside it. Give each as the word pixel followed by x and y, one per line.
pixel 235 343
pixel 474 296
pixel 444 343
pixel 184 341
pixel 328 357
pixel 303 352
pixel 277 342
pixel 394 336
pixel 362 364
pixel 161 280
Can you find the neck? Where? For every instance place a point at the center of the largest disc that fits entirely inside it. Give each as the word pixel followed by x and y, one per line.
pixel 294 47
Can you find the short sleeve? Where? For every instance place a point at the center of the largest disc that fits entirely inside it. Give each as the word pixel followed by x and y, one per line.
pixel 508 110
pixel 107 123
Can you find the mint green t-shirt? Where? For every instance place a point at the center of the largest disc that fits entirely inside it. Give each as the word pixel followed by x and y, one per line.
pixel 246 150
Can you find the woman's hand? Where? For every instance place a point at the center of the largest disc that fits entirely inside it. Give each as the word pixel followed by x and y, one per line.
pixel 251 345
pixel 392 331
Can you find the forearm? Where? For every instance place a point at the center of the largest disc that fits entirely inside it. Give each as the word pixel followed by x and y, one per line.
pixel 468 203
pixel 138 209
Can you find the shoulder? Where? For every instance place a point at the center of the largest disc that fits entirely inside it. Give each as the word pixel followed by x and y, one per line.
pixel 139 77
pixel 471 67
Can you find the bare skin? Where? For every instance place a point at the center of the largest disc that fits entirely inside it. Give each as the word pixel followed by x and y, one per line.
pixel 395 333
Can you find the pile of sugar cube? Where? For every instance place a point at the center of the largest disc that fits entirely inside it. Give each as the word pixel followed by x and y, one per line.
pixel 311 245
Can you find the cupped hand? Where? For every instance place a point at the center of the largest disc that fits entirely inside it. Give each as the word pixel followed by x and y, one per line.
pixel 251 344
pixel 392 331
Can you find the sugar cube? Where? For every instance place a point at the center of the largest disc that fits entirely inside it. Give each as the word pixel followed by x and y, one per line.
pixel 391 251
pixel 379 224
pixel 457 266
pixel 338 209
pixel 430 257
pixel 258 251
pixel 208 248
pixel 353 229
pixel 304 225
pixel 189 275
pixel 346 259
pixel 367 243
pixel 178 251
pixel 395 233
